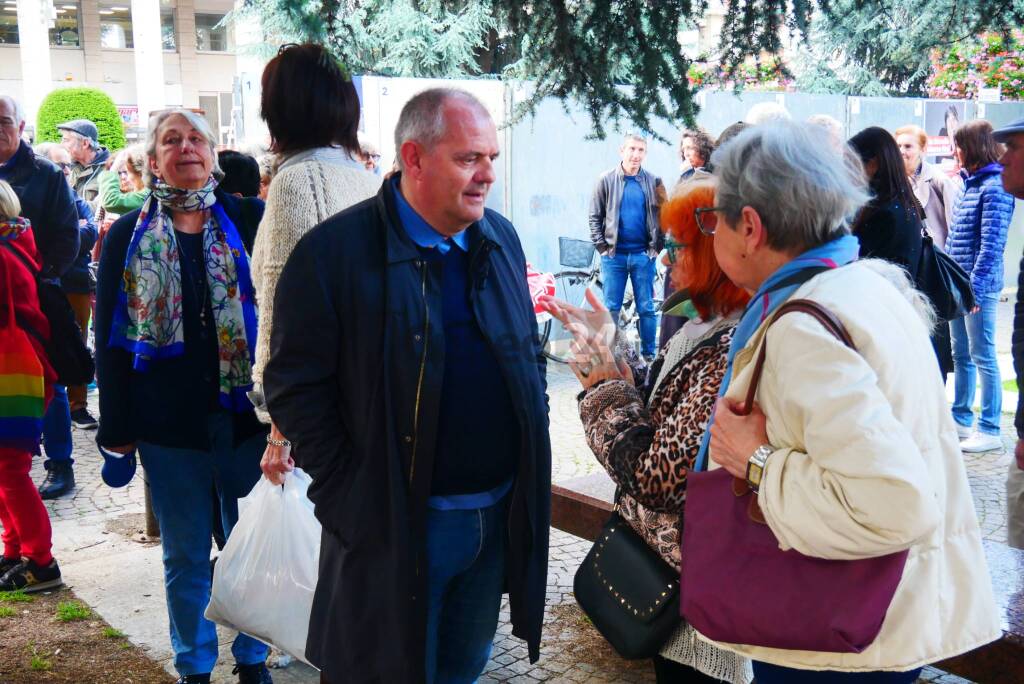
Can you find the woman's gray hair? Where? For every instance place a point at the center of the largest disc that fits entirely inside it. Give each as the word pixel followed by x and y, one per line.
pixel 422 117
pixel 197 122
pixel 805 190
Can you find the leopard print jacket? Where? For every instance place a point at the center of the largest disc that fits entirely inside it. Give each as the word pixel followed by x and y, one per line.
pixel 648 447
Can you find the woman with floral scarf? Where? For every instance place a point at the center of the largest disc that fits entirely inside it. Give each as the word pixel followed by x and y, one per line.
pixel 175 343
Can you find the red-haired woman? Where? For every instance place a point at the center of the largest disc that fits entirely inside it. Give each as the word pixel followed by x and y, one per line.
pixel 647 435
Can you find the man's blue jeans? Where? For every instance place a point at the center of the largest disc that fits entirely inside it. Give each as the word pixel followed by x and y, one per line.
pixel 639 268
pixel 974 353
pixel 57 427
pixel 182 483
pixel 466 571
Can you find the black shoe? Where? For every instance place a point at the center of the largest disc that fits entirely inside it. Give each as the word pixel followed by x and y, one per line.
pixel 253 674
pixel 83 420
pixel 194 679
pixel 7 563
pixel 28 576
pixel 60 479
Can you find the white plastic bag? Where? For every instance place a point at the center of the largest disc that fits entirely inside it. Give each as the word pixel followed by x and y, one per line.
pixel 264 579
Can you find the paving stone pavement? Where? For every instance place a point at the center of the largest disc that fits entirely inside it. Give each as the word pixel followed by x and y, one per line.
pixel 93 502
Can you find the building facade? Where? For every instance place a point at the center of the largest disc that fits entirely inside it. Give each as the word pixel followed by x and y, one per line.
pixel 145 54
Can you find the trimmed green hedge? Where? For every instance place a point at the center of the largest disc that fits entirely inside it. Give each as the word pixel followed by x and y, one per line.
pixel 65 104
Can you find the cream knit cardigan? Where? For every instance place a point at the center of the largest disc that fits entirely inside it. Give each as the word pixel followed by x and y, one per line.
pixel 300 196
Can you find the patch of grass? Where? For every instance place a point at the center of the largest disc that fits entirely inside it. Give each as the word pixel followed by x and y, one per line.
pixel 15 597
pixel 7 611
pixel 39 664
pixel 71 611
pixel 1010 385
pixel 112 633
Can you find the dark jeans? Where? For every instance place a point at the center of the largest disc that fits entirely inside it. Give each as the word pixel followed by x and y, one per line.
pixel 670 672
pixel 775 674
pixel 57 428
pixel 639 269
pixel 466 571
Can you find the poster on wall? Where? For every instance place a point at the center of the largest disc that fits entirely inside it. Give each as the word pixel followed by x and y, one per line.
pixel 941 119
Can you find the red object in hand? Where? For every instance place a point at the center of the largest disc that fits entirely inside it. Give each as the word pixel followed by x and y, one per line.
pixel 541 285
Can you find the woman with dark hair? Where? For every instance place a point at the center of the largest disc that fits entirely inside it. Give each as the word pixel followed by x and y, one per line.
pixel 977 238
pixel 889 227
pixel 695 148
pixel 312 111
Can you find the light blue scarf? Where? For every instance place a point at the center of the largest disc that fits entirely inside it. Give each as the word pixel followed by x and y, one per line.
pixel 773 292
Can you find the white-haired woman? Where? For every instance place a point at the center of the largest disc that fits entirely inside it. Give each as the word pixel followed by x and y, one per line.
pixel 855 453
pixel 175 343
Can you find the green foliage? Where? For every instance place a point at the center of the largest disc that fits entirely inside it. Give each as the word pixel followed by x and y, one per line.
pixel 65 104
pixel 112 633
pixel 621 59
pixel 883 47
pixel 72 611
pixel 427 39
pixel 37 663
pixel 7 611
pixel 770 74
pixel 989 61
pixel 16 597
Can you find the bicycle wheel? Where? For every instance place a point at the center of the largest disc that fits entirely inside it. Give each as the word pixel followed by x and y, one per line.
pixel 570 287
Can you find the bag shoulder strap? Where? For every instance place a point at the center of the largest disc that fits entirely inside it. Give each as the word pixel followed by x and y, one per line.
pixel 828 319
pixel 22 258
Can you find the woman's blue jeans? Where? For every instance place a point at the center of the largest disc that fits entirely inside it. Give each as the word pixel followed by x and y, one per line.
pixel 182 483
pixel 974 354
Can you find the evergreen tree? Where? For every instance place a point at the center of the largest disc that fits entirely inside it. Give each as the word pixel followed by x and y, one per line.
pixel 884 47
pixel 621 59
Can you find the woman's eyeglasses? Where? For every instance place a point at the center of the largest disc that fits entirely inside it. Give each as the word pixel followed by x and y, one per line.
pixel 671 246
pixel 707 226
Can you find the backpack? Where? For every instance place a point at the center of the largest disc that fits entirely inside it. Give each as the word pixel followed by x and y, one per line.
pixel 65 350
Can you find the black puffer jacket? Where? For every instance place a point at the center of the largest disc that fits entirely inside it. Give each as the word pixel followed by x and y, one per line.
pixel 46 201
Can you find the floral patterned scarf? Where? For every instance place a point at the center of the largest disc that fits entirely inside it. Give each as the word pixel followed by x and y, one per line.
pixel 148 318
pixel 13 228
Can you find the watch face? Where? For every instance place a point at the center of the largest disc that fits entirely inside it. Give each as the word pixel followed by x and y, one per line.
pixel 754 474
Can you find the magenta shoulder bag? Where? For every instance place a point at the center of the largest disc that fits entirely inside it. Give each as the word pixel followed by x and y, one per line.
pixel 739 587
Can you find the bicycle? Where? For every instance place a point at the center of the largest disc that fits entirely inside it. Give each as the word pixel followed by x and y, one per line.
pixel 571 285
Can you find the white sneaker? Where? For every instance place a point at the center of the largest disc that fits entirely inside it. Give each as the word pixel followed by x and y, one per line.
pixel 963 431
pixel 979 441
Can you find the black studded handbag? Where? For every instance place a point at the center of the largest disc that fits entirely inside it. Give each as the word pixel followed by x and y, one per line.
pixel 628 591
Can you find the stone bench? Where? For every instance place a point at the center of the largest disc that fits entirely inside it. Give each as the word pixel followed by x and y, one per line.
pixel 581 506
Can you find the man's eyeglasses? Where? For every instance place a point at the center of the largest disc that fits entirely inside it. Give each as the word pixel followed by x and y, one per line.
pixel 707 226
pixel 64 166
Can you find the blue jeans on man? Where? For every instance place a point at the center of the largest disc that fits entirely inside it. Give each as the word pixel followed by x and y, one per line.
pixel 640 270
pixel 974 353
pixel 182 483
pixel 60 475
pixel 57 428
pixel 465 575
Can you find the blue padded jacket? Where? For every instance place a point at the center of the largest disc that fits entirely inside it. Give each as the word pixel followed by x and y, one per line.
pixel 977 235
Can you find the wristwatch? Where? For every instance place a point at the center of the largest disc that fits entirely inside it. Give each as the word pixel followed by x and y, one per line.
pixel 755 465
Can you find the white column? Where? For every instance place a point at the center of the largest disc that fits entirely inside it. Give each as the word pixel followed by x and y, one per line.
pixel 35 17
pixel 149 58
